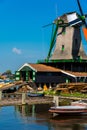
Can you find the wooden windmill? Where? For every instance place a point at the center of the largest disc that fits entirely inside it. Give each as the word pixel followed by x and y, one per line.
pixel 66 41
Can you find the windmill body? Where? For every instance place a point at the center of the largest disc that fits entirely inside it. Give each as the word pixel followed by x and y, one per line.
pixel 66 47
pixel 69 44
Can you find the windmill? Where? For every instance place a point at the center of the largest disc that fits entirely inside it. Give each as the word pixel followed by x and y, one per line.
pixel 66 37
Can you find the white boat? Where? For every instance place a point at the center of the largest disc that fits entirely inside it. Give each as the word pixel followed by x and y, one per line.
pixel 68 109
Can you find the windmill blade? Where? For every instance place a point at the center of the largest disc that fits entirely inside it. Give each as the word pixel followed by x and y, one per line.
pixel 85 33
pixel 48 25
pixel 85 15
pixel 81 11
pixel 82 14
pixel 60 25
pixel 84 41
pixel 63 31
pixel 52 41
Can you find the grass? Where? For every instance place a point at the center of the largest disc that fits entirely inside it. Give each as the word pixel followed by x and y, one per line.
pixel 49 92
pixel 74 94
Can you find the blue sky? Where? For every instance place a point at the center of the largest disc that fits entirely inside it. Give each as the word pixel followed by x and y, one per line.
pixel 22 38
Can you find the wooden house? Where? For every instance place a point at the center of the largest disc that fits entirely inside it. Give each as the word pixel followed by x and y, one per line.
pixel 41 74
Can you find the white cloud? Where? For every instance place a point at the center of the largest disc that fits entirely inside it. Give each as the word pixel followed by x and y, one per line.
pixel 16 50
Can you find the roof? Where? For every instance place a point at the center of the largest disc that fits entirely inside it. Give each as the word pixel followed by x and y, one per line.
pixel 76 74
pixel 64 17
pixel 79 74
pixel 46 68
pixel 40 68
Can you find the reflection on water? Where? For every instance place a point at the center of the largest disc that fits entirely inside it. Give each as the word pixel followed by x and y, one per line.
pixel 69 123
pixel 36 117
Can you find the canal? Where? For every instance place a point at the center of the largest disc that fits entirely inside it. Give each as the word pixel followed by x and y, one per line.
pixel 37 117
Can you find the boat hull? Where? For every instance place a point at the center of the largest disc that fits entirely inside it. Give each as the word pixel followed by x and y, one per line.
pixel 35 94
pixel 68 110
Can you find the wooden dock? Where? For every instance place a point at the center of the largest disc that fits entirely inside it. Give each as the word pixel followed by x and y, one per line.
pixel 19 97
pixel 17 100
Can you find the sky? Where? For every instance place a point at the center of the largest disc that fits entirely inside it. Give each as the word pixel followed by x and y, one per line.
pixel 22 36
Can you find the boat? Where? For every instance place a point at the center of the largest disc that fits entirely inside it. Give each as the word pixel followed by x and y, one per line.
pixel 79 103
pixel 68 109
pixel 35 94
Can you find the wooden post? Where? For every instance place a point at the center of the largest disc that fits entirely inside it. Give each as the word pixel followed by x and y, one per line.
pixel 56 100
pixel 0 95
pixel 33 110
pixel 23 110
pixel 23 98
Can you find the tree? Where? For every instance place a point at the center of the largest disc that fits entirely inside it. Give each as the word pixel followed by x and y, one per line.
pixel 8 72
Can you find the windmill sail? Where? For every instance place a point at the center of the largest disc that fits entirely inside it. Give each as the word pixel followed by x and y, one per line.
pixel 85 33
pixel 83 17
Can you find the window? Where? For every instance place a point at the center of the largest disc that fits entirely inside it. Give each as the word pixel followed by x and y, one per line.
pixel 62 47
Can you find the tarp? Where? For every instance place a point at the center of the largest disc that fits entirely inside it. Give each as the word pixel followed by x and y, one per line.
pixel 85 33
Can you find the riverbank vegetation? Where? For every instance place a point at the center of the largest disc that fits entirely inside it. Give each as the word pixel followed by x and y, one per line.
pixel 74 94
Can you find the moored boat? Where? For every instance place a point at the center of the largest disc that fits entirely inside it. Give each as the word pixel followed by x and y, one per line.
pixel 68 109
pixel 35 94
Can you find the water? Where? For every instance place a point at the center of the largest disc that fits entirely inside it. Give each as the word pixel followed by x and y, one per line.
pixel 36 117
